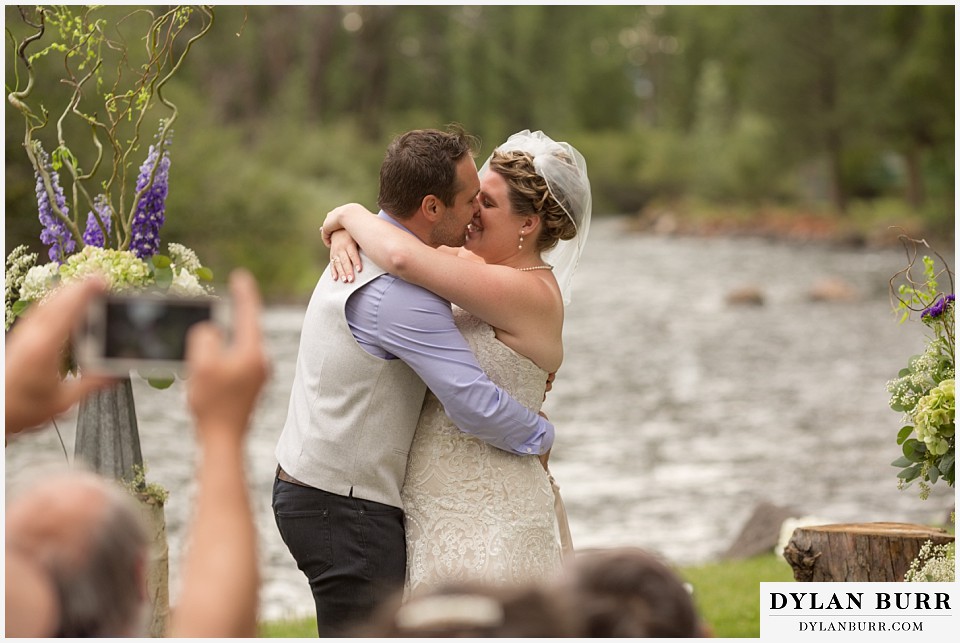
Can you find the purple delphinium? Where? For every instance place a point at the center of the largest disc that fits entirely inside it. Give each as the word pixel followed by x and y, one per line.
pixel 937 308
pixel 150 209
pixel 93 235
pixel 55 233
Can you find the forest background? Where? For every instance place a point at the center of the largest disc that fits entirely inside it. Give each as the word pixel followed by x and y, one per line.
pixel 692 118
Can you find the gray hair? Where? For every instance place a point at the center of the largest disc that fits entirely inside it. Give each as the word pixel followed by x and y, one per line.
pixel 89 535
pixel 99 594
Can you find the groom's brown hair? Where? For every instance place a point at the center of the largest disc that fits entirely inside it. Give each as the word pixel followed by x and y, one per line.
pixel 419 163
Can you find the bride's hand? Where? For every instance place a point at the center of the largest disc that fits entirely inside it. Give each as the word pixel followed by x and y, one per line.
pixel 344 252
pixel 344 256
pixel 544 457
pixel 333 221
pixel 330 225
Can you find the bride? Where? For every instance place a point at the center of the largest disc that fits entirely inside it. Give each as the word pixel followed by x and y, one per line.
pixel 472 511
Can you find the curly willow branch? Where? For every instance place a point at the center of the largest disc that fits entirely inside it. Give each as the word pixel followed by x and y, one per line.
pixel 149 81
pixel 911 248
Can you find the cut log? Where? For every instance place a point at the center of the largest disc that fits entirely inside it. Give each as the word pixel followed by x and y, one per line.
pixel 859 552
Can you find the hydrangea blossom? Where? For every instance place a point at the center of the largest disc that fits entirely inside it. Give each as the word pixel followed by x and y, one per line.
pixel 149 215
pixel 935 412
pixel 55 233
pixel 93 235
pixel 121 269
pixel 39 281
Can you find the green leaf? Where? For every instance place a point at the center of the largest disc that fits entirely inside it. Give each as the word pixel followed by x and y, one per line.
pixel 20 306
pixel 914 450
pixel 904 434
pixel 901 462
pixel 946 463
pixel 159 379
pixel 164 277
pixel 161 383
pixel 204 274
pixel 909 446
pixel 910 473
pixel 161 261
pixel 948 474
pixel 933 474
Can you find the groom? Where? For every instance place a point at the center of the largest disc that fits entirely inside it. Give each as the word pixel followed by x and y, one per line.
pixel 368 352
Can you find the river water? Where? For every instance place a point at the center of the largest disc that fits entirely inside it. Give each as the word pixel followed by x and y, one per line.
pixel 676 412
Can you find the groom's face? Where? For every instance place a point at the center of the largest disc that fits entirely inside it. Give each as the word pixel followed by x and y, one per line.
pixel 451 229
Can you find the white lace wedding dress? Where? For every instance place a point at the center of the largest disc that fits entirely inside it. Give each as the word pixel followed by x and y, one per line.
pixel 475 512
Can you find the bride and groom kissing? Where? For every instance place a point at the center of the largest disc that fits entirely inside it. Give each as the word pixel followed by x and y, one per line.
pixel 409 456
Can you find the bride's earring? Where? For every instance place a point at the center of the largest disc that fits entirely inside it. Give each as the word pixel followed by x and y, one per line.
pixel 520 247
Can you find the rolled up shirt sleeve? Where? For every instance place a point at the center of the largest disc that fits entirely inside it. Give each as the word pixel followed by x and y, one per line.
pixel 417 326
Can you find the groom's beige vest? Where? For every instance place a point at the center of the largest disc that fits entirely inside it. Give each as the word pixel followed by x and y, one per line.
pixel 352 415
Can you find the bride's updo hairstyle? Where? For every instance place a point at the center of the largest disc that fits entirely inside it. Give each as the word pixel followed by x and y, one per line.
pixel 529 195
pixel 548 178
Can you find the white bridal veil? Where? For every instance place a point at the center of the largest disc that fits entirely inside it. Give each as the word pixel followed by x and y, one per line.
pixel 565 171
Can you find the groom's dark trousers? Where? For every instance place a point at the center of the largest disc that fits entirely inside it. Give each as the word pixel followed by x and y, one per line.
pixel 352 551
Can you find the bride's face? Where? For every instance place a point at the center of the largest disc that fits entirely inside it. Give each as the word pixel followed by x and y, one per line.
pixel 494 232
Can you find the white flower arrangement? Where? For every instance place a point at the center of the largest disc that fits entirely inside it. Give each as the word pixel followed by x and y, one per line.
pixel 122 270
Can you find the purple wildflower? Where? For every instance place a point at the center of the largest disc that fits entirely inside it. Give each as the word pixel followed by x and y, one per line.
pixel 937 308
pixel 55 233
pixel 93 235
pixel 150 209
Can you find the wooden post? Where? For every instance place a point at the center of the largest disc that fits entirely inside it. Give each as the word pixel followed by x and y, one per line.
pixel 108 438
pixel 158 573
pixel 858 552
pixel 108 441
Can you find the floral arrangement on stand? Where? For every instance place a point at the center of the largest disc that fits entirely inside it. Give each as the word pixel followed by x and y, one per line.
pixel 924 392
pixel 119 236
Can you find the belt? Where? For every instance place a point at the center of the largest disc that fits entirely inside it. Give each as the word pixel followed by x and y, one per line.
pixel 286 477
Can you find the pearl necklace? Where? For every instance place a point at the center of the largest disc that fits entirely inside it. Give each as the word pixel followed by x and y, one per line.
pixel 543 267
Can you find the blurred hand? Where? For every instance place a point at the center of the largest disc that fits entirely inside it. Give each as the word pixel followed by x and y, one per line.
pixel 224 381
pixel 35 391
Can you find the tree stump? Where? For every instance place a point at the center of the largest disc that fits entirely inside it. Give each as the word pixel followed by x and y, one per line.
pixel 859 552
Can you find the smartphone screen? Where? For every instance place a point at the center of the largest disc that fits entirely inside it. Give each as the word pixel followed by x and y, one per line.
pixel 142 331
pixel 150 329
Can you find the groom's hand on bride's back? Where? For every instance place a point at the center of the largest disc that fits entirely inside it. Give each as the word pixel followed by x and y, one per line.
pixel 550 378
pixel 544 457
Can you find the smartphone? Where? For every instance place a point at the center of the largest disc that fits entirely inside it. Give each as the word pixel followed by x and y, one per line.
pixel 144 332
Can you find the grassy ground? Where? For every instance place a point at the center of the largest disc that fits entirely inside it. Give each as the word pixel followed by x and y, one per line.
pixel 727 594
